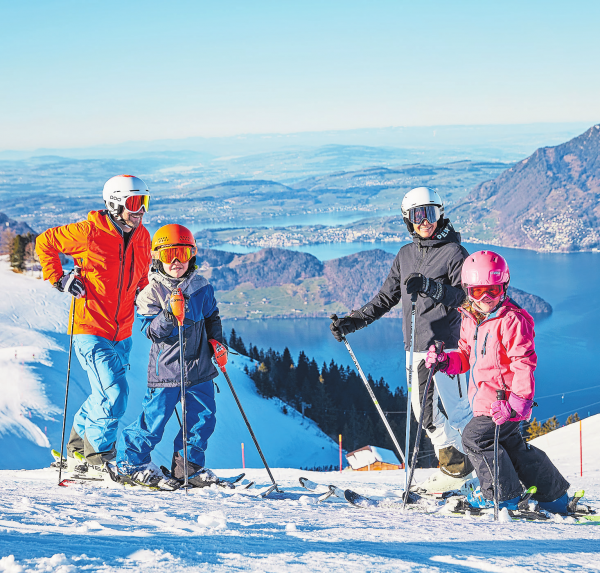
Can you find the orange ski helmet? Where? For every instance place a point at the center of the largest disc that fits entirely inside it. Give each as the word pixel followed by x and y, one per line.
pixel 173 235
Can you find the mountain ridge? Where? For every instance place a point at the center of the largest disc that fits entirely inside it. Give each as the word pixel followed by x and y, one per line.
pixel 549 201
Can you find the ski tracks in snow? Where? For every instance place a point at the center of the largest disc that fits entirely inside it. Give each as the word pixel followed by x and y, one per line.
pixel 91 528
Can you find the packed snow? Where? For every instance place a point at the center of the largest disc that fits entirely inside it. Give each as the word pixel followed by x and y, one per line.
pixel 106 527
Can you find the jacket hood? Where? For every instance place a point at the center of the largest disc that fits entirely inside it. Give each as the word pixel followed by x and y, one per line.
pixel 443 235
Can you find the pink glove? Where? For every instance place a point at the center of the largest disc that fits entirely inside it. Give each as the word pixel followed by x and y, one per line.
pixel 514 409
pixel 438 361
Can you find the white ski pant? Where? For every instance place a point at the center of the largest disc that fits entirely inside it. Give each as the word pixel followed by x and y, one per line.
pixel 454 398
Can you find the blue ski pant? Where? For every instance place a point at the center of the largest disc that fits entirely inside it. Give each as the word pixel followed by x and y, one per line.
pixel 105 361
pixel 142 436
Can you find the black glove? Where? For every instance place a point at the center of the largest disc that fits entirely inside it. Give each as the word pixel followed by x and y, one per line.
pixel 416 282
pixel 70 283
pixel 351 323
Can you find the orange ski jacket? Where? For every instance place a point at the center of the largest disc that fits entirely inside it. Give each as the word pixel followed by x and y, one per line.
pixel 111 272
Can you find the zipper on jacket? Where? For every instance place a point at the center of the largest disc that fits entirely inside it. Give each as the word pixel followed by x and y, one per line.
pixel 131 268
pixel 484 344
pixel 121 265
pixel 157 359
pixel 473 367
pixel 122 257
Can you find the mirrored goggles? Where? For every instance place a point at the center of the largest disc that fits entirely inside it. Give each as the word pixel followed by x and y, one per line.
pixel 167 255
pixel 135 203
pixel 476 293
pixel 417 215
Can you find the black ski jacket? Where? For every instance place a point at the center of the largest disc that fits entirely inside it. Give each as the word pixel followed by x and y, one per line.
pixel 439 257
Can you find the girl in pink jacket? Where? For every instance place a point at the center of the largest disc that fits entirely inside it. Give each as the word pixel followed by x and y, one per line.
pixel 496 345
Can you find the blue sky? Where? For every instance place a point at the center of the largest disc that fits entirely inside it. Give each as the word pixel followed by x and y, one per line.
pixel 77 73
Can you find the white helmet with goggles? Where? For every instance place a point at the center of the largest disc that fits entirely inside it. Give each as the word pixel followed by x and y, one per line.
pixel 419 204
pixel 125 192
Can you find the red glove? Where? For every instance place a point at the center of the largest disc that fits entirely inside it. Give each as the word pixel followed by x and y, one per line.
pixel 220 353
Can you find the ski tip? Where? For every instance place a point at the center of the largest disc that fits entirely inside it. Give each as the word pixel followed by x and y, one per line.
pixel 78 456
pixel 532 490
pixel 67 483
pixel 579 494
pixel 55 454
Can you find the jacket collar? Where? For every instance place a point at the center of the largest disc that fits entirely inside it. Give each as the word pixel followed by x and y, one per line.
pixel 445 234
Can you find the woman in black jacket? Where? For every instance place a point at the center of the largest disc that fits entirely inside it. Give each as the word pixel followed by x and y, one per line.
pixel 431 266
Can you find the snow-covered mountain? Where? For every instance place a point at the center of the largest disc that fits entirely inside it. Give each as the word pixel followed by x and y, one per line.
pixel 33 365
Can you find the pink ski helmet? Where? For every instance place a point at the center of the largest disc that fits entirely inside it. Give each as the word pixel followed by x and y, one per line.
pixel 485 268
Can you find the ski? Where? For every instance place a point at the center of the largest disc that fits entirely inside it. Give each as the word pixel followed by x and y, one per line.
pixel 324 492
pixel 225 483
pixel 457 506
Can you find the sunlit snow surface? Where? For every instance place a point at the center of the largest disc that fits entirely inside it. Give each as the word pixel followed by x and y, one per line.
pixel 109 528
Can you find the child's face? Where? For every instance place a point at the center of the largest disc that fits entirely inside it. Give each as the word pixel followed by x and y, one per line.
pixel 486 304
pixel 176 269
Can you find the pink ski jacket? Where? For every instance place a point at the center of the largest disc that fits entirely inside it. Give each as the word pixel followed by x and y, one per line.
pixel 500 353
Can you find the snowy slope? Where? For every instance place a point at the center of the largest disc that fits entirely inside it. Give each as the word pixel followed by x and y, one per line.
pixel 563 448
pixel 33 364
pixel 109 528
pixel 91 528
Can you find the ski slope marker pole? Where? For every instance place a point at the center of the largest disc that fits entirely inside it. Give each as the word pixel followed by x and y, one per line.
pixel 372 394
pixel 340 453
pixel 439 348
pixel 243 457
pixel 580 449
pixel 220 358
pixel 413 318
pixel 76 270
pixel 178 309
pixel 500 395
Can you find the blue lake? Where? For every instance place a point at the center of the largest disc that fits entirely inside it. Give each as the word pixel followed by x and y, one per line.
pixel 567 377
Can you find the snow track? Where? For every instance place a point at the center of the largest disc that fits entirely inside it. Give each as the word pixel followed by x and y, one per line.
pixel 89 528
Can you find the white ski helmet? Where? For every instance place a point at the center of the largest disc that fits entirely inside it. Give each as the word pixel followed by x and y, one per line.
pixel 119 188
pixel 420 197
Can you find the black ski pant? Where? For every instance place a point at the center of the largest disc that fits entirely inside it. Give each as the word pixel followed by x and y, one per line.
pixel 519 463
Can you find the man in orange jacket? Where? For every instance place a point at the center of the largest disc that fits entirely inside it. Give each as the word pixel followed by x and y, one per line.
pixel 112 252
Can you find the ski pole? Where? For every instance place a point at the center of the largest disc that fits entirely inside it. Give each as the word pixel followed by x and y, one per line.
pixel 62 438
pixel 439 347
pixel 220 357
pixel 372 394
pixel 500 395
pixel 413 316
pixel 178 310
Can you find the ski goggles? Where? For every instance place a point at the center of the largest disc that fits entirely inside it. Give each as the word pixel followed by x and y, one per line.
pixel 476 293
pixel 417 215
pixel 135 203
pixel 167 255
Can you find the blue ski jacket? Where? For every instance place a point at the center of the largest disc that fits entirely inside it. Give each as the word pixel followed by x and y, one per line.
pixel 202 322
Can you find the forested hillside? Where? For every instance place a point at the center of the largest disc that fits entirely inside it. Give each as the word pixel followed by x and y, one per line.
pixel 279 282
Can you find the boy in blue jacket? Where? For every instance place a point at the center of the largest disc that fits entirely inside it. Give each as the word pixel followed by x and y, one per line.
pixel 173 252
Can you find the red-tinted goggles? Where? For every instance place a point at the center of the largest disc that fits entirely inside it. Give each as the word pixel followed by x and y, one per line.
pixel 478 292
pixel 135 203
pixel 167 255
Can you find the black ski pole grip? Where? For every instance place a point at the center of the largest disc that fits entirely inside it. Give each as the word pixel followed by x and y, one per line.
pixel 414 296
pixel 439 346
pixel 500 395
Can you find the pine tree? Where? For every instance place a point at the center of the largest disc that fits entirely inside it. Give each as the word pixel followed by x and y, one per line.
pixel 17 253
pixel 550 425
pixel 534 430
pixel 572 419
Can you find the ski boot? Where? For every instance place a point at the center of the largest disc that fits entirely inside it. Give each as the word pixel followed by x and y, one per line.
pixel 203 478
pixel 150 476
pixel 73 464
pixel 567 506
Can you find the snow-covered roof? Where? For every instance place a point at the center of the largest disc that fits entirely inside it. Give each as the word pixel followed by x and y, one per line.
pixel 369 455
